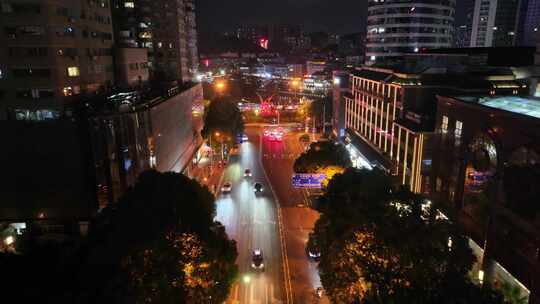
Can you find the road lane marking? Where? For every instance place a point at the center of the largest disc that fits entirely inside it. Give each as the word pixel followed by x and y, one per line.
pixel 251 296
pixel 235 292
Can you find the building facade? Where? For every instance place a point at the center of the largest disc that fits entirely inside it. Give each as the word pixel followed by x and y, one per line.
pixel 479 144
pixel 497 23
pixel 51 52
pixel 391 111
pixel 340 89
pixel 165 28
pixel 395 27
pixel 131 67
pixel 157 133
pixel 191 38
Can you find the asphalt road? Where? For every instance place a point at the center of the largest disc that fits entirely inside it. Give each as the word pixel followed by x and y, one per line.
pixel 252 220
pixel 297 218
pixel 277 221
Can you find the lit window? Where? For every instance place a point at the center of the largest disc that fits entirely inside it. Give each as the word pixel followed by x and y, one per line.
pixel 159 44
pixel 73 71
pixel 69 91
pixel 458 132
pixel 129 4
pixel 1 74
pixel 444 125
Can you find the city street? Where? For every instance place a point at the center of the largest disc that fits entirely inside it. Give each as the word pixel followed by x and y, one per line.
pixel 298 219
pixel 252 220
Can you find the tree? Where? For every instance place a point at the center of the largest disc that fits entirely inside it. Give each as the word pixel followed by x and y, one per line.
pixel 159 243
pixel 223 116
pixel 385 245
pixel 323 157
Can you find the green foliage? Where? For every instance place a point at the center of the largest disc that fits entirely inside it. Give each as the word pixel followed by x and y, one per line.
pixel 385 245
pixel 223 115
pixel 522 191
pixel 160 242
pixel 512 294
pixel 321 155
pixel 304 138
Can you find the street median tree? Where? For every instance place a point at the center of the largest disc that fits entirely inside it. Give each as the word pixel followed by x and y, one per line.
pixel 326 157
pixel 223 115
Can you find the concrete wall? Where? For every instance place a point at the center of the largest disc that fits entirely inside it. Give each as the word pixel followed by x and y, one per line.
pixel 173 132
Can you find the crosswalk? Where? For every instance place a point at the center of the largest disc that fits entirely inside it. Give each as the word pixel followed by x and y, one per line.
pixel 255 292
pixel 281 155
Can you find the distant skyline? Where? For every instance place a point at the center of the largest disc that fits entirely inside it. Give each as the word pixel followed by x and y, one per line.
pixel 334 16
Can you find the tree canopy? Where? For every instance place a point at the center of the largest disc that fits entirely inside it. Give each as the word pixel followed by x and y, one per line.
pixel 323 157
pixel 223 115
pixel 384 245
pixel 321 106
pixel 160 243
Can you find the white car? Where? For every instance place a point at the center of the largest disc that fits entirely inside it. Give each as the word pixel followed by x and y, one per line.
pixel 226 188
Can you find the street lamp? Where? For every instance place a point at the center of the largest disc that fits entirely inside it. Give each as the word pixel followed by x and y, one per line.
pixel 221 141
pixel 295 84
pixel 220 86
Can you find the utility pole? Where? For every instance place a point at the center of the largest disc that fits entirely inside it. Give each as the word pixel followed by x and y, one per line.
pixel 211 152
pixel 324 118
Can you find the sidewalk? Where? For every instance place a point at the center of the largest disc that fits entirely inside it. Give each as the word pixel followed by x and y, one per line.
pixel 207 174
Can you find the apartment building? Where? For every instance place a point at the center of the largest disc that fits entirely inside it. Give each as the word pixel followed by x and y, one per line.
pixel 51 52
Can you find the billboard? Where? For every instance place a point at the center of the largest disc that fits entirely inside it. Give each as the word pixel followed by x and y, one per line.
pixel 308 180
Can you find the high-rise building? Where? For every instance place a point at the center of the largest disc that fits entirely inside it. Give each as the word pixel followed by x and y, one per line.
pixel 252 33
pixel 464 26
pixel 531 25
pixel 191 37
pixel 496 22
pixel 395 27
pixel 165 27
pixel 50 52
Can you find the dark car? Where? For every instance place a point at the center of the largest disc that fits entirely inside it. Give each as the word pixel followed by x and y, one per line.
pixel 257 260
pixel 257 187
pixel 247 173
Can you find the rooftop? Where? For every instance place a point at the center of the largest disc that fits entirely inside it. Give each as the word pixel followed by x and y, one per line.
pixel 528 106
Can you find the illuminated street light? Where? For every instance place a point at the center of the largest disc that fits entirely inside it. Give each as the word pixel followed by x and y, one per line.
pixel 9 240
pixel 220 86
pixel 246 279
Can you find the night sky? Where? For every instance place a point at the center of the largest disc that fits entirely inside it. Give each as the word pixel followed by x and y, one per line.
pixel 335 16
